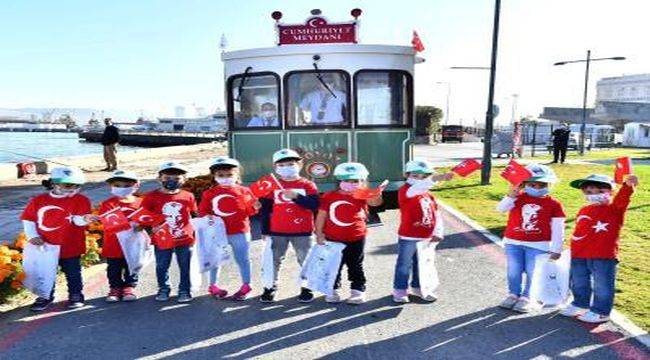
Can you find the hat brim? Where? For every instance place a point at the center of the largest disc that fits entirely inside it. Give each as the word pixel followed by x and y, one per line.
pixel 67 181
pixel 542 179
pixel 579 183
pixel 122 178
pixel 184 171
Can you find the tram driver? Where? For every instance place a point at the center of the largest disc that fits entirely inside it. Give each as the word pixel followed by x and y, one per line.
pixel 268 117
pixel 325 105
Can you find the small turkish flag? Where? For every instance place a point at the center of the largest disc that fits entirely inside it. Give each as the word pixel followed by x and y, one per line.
pixel 145 217
pixel 515 173
pixel 623 168
pixel 416 42
pixel 265 185
pixel 163 239
pixel 466 167
pixel 367 193
pixel 114 221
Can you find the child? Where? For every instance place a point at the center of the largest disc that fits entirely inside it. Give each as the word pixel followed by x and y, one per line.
pixel 59 217
pixel 594 247
pixel 288 216
pixel 535 226
pixel 419 221
pixel 177 206
pixel 234 204
pixel 122 284
pixel 342 218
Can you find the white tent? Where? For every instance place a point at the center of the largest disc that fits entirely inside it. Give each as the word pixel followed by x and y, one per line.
pixel 636 134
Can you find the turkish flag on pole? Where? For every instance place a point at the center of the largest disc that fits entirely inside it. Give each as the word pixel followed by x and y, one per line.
pixel 367 193
pixel 114 221
pixel 466 167
pixel 416 42
pixel 515 173
pixel 145 217
pixel 162 238
pixel 623 168
pixel 265 185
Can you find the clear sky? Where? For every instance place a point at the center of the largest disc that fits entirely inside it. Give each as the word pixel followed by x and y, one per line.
pixel 154 55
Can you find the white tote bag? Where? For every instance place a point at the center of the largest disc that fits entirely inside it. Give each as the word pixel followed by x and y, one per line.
pixel 268 268
pixel 211 242
pixel 322 266
pixel 137 249
pixel 427 271
pixel 550 279
pixel 40 264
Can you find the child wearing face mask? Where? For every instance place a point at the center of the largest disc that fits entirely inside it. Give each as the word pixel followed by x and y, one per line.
pixel 419 221
pixel 594 246
pixel 178 206
pixel 342 218
pixel 288 216
pixel 234 204
pixel 535 227
pixel 123 185
pixel 59 217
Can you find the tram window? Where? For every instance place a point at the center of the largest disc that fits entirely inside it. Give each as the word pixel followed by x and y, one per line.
pixel 314 102
pixel 383 97
pixel 255 103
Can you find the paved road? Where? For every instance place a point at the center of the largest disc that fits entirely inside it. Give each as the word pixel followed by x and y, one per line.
pixel 463 324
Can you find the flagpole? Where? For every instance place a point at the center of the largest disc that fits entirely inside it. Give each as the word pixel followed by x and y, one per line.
pixel 489 115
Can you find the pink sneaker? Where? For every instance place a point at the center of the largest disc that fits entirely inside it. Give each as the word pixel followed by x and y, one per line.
pixel 240 295
pixel 217 292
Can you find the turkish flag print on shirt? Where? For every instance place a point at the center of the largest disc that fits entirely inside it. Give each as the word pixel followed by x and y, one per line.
pixel 177 210
pixel 346 217
pixel 287 217
pixel 515 173
pixel 230 203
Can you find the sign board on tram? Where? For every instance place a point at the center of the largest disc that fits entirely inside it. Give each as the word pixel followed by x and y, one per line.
pixel 316 30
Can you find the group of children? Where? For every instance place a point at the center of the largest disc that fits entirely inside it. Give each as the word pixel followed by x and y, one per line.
pixel 294 214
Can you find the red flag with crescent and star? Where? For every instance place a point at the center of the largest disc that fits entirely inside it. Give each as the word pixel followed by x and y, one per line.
pixel 264 186
pixel 466 167
pixel 416 42
pixel 515 173
pixel 623 169
pixel 163 238
pixel 145 217
pixel 114 221
pixel 369 193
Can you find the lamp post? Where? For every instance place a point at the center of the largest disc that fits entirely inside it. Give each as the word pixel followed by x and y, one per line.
pixel 447 117
pixel 587 62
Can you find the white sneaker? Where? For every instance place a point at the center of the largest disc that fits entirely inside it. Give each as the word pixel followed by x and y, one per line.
pixel 573 311
pixel 334 298
pixel 356 297
pixel 524 305
pixel 400 296
pixel 429 297
pixel 592 317
pixel 509 302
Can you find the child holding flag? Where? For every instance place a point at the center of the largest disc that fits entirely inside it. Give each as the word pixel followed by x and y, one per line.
pixel 535 226
pixel 60 217
pixel 594 246
pixel 234 204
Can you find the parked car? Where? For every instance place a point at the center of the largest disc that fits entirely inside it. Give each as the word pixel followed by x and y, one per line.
pixel 452 132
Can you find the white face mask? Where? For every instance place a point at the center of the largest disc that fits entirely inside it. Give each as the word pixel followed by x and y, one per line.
pixel 123 191
pixel 290 171
pixel 67 192
pixel 421 184
pixel 225 181
pixel 602 198
pixel 348 186
pixel 268 114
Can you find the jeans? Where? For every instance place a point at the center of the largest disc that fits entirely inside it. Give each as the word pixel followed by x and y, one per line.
pixel 164 259
pixel 597 277
pixel 118 274
pixel 240 244
pixel 407 265
pixel 353 259
pixel 300 244
pixel 521 259
pixel 71 267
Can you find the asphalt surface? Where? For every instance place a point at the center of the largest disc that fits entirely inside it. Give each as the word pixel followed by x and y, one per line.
pixel 463 324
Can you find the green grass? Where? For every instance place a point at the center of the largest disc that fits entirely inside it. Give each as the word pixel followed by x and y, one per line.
pixel 633 281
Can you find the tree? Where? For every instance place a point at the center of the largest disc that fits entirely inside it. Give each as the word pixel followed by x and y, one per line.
pixel 427 120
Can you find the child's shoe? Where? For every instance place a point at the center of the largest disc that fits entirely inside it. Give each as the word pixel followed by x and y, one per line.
pixel 509 302
pixel 268 296
pixel 75 301
pixel 524 305
pixel 241 294
pixel 217 292
pixel 593 318
pixel 334 298
pixel 400 296
pixel 40 304
pixel 114 295
pixel 573 311
pixel 305 296
pixel 163 295
pixel 184 297
pixel 356 297
pixel 418 292
pixel 128 294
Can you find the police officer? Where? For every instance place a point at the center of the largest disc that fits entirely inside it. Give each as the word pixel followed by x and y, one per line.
pixel 560 142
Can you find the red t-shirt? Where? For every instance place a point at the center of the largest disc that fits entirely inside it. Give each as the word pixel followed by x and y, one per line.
pixel 530 219
pixel 53 218
pixel 287 217
pixel 346 217
pixel 417 214
pixel 178 209
pixel 230 203
pixel 598 227
pixel 111 247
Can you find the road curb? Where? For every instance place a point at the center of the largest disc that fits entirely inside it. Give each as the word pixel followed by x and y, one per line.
pixel 617 317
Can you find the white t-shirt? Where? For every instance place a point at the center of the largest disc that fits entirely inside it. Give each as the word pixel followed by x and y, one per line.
pixel 262 122
pixel 322 103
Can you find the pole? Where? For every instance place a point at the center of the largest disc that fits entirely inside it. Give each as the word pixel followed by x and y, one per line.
pixel 532 151
pixel 489 116
pixel 448 94
pixel 584 106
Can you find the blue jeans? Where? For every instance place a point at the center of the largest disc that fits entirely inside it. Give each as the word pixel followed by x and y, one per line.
pixel 597 276
pixel 164 259
pixel 240 244
pixel 407 265
pixel 71 267
pixel 521 259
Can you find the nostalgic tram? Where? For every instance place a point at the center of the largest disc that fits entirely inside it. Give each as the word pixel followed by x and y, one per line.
pixel 324 95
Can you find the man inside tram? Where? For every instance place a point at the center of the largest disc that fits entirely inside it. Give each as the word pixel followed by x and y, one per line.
pixel 268 117
pixel 325 105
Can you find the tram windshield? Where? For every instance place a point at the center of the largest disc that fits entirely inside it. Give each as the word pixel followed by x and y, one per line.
pixel 382 97
pixel 317 98
pixel 255 101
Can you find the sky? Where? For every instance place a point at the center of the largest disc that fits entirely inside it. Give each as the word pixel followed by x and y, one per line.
pixel 151 56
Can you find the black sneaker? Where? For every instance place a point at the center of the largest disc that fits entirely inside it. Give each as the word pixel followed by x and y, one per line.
pixel 40 304
pixel 268 296
pixel 75 301
pixel 305 296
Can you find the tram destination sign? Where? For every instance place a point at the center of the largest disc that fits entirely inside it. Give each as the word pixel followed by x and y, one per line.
pixel 316 30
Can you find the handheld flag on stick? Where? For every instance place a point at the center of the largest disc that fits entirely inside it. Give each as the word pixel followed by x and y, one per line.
pixel 466 167
pixel 623 169
pixel 114 221
pixel 515 173
pixel 367 193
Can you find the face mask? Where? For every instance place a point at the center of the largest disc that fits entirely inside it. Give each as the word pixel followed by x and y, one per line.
pixel 225 181
pixel 268 114
pixel 288 171
pixel 171 184
pixel 601 198
pixel 123 191
pixel 65 192
pixel 349 187
pixel 421 184
pixel 531 191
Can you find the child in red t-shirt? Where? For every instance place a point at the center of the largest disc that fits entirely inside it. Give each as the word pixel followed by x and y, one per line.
pixel 342 218
pixel 178 206
pixel 594 246
pixel 60 217
pixel 535 227
pixel 123 185
pixel 234 204
pixel 419 221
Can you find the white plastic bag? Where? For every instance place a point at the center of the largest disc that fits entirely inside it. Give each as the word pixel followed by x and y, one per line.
pixel 550 279
pixel 196 277
pixel 40 263
pixel 137 249
pixel 211 242
pixel 268 268
pixel 322 266
pixel 427 271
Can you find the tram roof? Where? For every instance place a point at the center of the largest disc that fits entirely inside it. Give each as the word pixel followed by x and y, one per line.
pixel 288 50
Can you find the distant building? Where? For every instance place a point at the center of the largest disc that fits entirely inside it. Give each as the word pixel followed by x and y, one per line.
pixel 212 123
pixel 564 114
pixel 626 88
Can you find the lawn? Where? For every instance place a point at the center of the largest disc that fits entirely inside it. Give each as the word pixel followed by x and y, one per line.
pixel 633 284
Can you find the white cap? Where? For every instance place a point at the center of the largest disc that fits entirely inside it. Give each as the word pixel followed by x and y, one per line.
pixel 121 174
pixel 224 160
pixel 419 166
pixel 285 154
pixel 351 171
pixel 67 175
pixel 172 165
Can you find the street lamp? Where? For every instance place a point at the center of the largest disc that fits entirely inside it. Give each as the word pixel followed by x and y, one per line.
pixel 447 117
pixel 587 61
